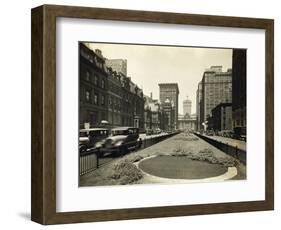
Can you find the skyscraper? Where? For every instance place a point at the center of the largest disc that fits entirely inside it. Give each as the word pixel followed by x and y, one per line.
pixel 198 106
pixel 118 65
pixel 216 89
pixel 170 91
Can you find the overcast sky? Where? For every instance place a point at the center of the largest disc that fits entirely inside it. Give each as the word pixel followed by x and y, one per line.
pixel 150 65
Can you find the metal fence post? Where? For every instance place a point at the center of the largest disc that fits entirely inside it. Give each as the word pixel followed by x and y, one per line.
pixel 97 154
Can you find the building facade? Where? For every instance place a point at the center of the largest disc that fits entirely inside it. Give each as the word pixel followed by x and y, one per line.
pixel 154 116
pixel 239 84
pixel 170 91
pixel 93 88
pixel 137 105
pixel 187 107
pixel 199 108
pixel 114 98
pixel 117 65
pixel 105 94
pixel 169 115
pixel 221 118
pixel 216 89
pixel 187 123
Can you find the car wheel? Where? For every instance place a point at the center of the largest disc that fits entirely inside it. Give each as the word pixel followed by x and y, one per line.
pixel 83 149
pixel 139 144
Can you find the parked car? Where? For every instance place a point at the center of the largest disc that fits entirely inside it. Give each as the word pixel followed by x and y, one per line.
pixel 240 133
pixel 157 131
pixel 220 133
pixel 149 131
pixel 122 139
pixel 227 133
pixel 92 138
pixel 210 133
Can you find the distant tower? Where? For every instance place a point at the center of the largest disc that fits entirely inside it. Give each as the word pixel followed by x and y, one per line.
pixel 187 107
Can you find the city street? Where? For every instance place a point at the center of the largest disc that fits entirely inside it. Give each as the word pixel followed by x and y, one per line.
pixel 176 155
pixel 108 157
pixel 119 104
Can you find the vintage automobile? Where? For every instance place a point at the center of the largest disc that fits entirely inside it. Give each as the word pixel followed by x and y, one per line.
pixel 149 132
pixel 122 140
pixel 157 131
pixel 210 132
pixel 92 138
pixel 240 133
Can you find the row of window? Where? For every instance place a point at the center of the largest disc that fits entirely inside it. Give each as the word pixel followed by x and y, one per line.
pixel 95 98
pixel 93 59
pixel 95 79
pixel 239 123
pixel 115 89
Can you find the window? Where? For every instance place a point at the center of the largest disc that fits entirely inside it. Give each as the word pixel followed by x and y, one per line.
pixel 96 99
pixel 96 79
pixel 102 83
pixel 238 122
pixel 88 95
pixel 102 100
pixel 87 75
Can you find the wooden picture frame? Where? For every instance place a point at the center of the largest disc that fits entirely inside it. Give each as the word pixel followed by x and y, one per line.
pixel 43 208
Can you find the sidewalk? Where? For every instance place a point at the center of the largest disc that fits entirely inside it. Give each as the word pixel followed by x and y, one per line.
pixel 232 142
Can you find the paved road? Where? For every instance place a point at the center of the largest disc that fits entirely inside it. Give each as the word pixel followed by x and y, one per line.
pixel 109 157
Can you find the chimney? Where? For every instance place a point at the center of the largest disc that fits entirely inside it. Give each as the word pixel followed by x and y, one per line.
pixel 151 95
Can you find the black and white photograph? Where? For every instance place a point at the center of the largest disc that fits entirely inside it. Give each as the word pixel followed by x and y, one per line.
pixel 153 114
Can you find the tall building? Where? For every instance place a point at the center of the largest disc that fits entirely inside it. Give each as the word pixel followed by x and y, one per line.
pixel 187 107
pixel 239 87
pixel 169 115
pixel 170 91
pixel 117 65
pixel 198 106
pixel 216 89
